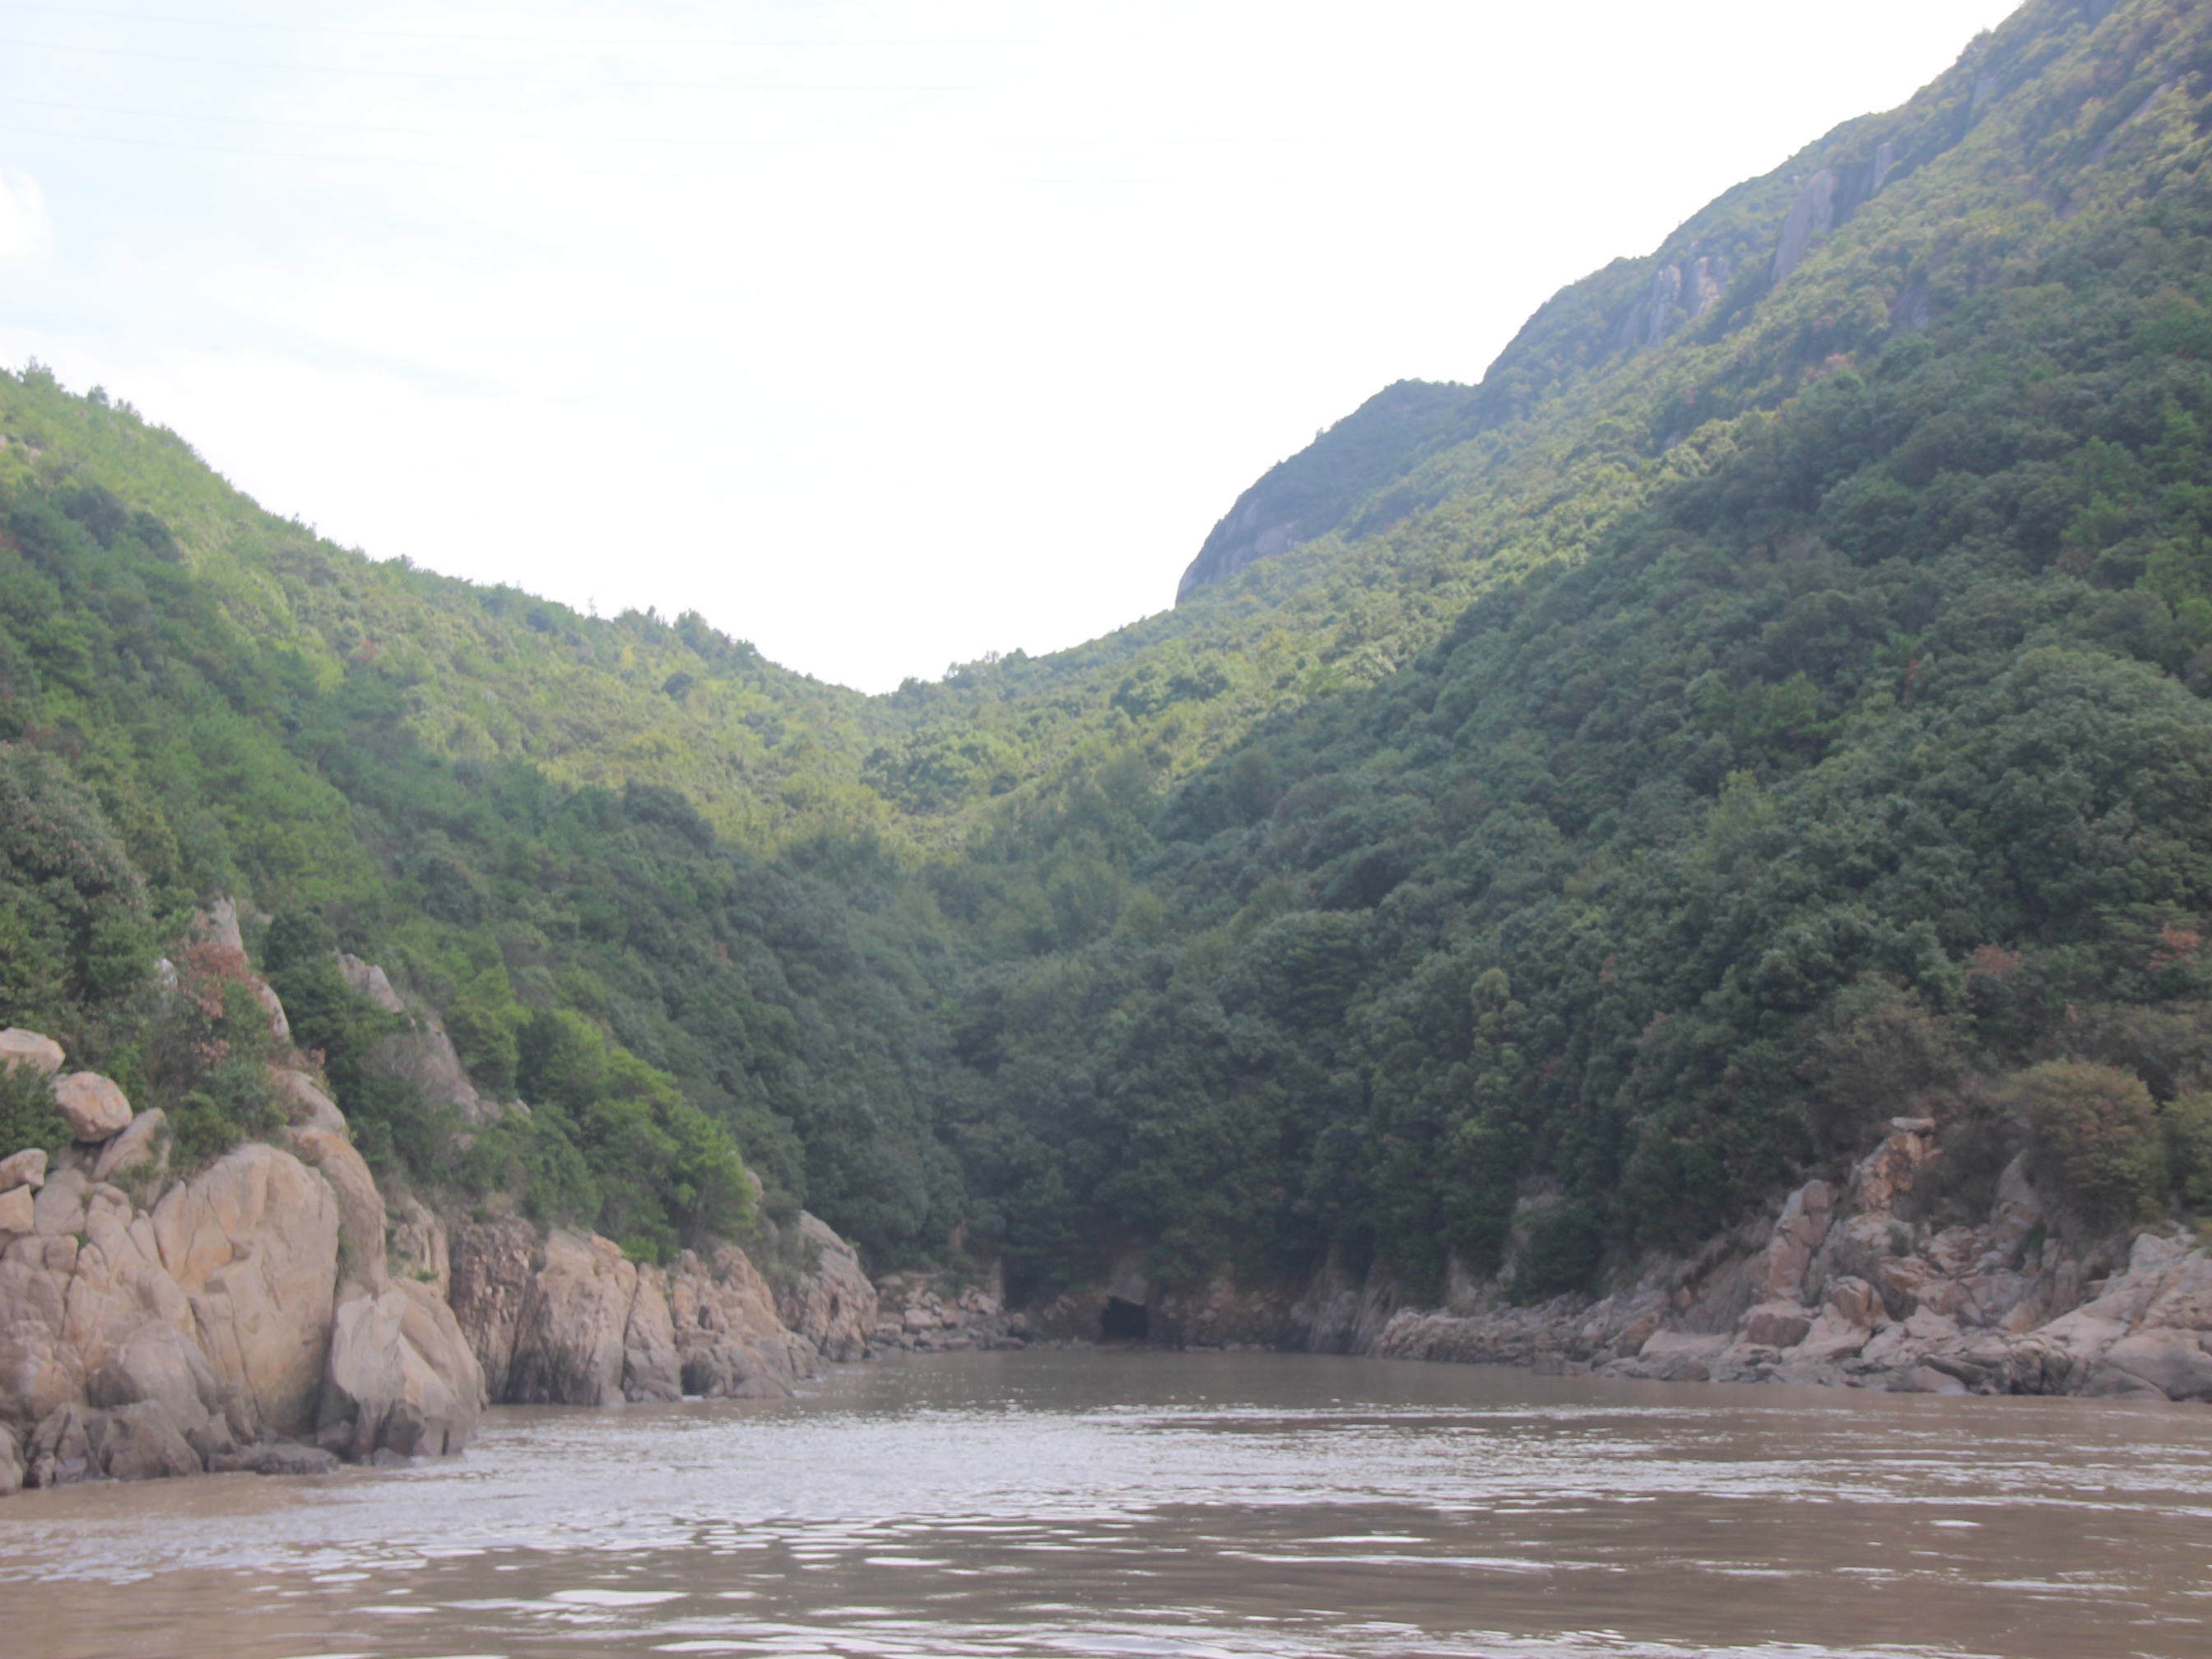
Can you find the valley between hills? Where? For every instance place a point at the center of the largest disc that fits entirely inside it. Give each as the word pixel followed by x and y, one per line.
pixel 1690 857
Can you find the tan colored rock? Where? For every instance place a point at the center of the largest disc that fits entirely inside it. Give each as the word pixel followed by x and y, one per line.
pixel 92 1106
pixel 1894 1168
pixel 493 1264
pixel 17 1209
pixel 569 1343
pixel 368 979
pixel 360 1206
pixel 1799 1232
pixel 143 1145
pixel 61 1450
pixel 731 1342
pixel 153 1363
pixel 279 1026
pixel 11 1462
pixel 59 1207
pixel 833 1304
pixel 253 1242
pixel 218 923
pixel 402 1377
pixel 2174 1362
pixel 1776 1325
pixel 141 1443
pixel 651 1367
pixel 303 1104
pixel 25 1169
pixel 417 1247
pixel 20 1048
pixel 424 1056
pixel 38 1370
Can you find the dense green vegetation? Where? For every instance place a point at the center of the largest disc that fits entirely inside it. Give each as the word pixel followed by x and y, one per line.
pixel 1773 699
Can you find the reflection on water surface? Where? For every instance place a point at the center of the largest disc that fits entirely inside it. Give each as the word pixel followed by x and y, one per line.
pixel 1162 1504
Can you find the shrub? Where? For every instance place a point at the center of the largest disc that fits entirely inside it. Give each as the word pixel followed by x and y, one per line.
pixel 28 1117
pixel 2188 1123
pixel 2097 1136
pixel 1564 1243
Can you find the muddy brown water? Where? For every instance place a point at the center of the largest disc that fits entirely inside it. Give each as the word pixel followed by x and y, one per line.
pixel 1142 1503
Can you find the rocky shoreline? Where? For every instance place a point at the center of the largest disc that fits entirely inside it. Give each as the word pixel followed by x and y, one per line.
pixel 275 1312
pixel 1856 1285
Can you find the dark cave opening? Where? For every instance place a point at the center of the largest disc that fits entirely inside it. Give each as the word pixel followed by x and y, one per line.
pixel 1124 1321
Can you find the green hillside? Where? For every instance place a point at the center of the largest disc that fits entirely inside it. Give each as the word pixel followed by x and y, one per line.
pixel 1559 813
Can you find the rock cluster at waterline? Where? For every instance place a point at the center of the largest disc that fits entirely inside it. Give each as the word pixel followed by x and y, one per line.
pixel 1846 1287
pixel 271 1313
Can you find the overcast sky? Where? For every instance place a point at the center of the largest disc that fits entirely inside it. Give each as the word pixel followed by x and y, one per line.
pixel 884 334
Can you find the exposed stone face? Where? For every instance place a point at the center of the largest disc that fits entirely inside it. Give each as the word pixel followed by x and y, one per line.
pixel 368 979
pixel 834 1305
pixel 1814 214
pixel 18 1205
pixel 20 1048
pixel 418 1246
pixel 253 1242
pixel 360 1206
pixel 402 1377
pixel 92 1106
pixel 141 1148
pixel 25 1169
pixel 493 1263
pixel 568 1346
pixel 306 1106
pixel 730 1342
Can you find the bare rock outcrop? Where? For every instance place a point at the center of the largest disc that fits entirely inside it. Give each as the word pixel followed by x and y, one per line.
pixel 139 1150
pixel 92 1106
pixel 567 1321
pixel 571 1344
pixel 20 1048
pixel 253 1244
pixel 402 1378
pixel 730 1341
pixel 833 1304
pixel 493 1263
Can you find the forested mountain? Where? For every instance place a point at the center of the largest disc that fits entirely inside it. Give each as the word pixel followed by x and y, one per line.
pixel 1559 814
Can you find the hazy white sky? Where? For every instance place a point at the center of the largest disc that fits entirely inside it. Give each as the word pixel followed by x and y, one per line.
pixel 883 333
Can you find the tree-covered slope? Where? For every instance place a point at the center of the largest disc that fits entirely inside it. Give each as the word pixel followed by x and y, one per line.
pixel 1773 697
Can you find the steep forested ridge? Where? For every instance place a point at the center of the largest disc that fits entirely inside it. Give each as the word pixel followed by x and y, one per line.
pixel 1560 813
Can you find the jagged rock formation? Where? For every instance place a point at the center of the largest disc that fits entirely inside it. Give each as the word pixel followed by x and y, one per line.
pixel 1850 1288
pixel 565 1320
pixel 1309 494
pixel 922 1314
pixel 424 1054
pixel 251 1317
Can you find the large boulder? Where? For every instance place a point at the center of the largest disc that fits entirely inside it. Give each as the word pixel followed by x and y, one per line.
pixel 141 1146
pixel 25 1169
pixel 61 1450
pixel 142 1442
pixel 729 1338
pixel 154 1364
pixel 253 1242
pixel 570 1345
pixel 304 1104
pixel 492 1265
pixel 92 1106
pixel 1799 1233
pixel 833 1304
pixel 402 1377
pixel 360 1206
pixel 18 1210
pixel 20 1048
pixel 368 979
